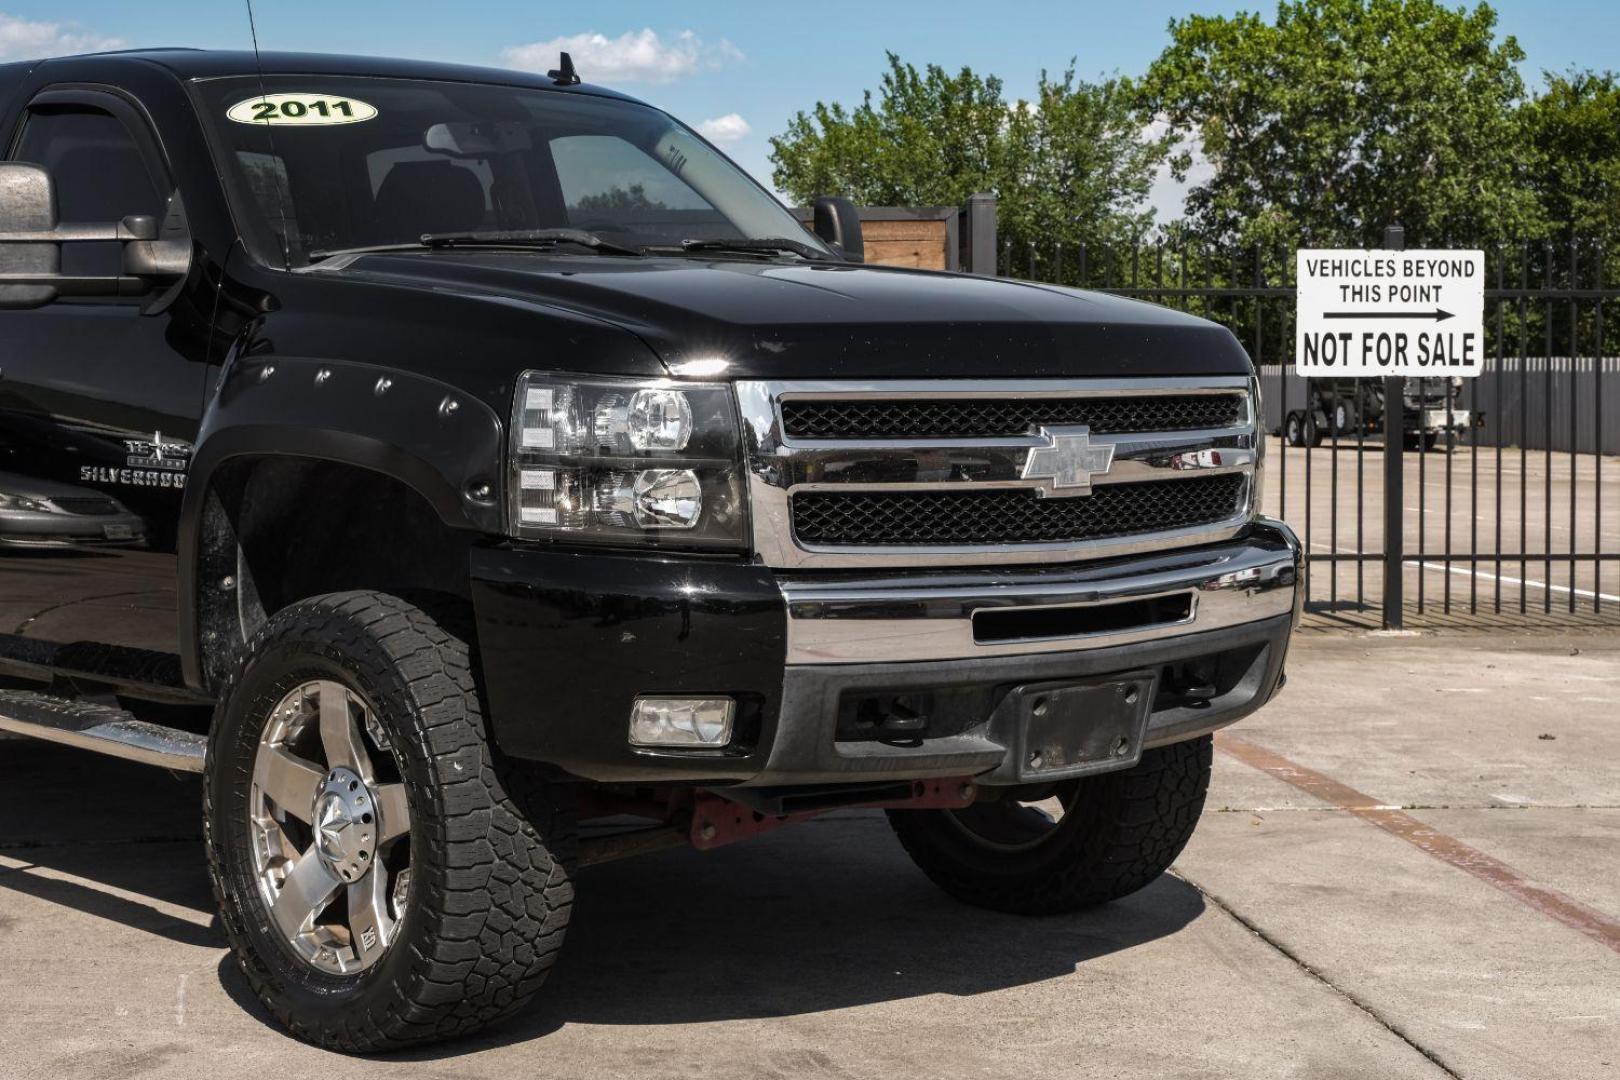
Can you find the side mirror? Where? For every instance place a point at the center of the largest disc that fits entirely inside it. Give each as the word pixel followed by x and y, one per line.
pixel 31 240
pixel 839 223
pixel 27 205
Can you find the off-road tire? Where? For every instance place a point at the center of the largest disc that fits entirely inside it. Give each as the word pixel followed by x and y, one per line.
pixel 491 848
pixel 1120 832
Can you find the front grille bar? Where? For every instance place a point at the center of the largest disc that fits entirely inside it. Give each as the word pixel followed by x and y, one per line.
pixel 835 481
pixel 911 419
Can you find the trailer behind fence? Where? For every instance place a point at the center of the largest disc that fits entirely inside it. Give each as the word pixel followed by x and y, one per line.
pixel 1509 483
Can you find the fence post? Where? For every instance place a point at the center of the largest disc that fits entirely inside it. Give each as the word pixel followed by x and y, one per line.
pixel 979 237
pixel 1394 476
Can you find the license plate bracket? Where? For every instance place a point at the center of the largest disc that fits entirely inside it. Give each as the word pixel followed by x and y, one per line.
pixel 1075 728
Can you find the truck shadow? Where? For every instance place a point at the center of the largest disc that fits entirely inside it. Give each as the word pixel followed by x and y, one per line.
pixel 109 838
pixel 827 915
pixel 823 916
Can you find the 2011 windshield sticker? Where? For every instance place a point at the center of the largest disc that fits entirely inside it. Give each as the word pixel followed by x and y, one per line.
pixel 300 110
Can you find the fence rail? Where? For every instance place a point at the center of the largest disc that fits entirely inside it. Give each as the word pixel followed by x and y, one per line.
pixel 1508 483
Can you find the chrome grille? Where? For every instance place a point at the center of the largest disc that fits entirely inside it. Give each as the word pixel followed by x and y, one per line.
pixel 966 418
pixel 952 518
pixel 933 473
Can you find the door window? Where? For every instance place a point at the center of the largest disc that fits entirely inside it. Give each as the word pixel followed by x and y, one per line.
pixel 100 173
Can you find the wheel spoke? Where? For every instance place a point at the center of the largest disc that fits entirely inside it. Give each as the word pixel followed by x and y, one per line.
pixel 308 888
pixel 340 736
pixel 370 927
pixel 290 781
pixel 394 812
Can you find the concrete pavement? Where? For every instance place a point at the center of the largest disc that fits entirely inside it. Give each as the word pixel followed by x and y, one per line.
pixel 1297 938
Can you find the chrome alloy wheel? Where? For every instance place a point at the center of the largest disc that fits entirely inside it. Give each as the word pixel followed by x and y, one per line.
pixel 330 828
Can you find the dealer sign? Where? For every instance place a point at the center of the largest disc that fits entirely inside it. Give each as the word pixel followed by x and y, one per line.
pixel 1376 313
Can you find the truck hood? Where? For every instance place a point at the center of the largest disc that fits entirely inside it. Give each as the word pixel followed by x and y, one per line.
pixel 739 318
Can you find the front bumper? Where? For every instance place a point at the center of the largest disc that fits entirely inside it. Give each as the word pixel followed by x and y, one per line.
pixel 568 640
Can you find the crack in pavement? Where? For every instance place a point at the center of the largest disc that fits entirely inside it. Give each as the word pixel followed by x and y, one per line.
pixel 1315 973
pixel 1555 904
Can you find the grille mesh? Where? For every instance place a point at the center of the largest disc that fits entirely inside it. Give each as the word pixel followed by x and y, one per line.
pixel 965 518
pixel 967 418
pixel 88 506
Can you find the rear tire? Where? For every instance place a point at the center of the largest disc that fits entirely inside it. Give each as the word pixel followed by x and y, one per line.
pixel 464 913
pixel 1345 421
pixel 1119 831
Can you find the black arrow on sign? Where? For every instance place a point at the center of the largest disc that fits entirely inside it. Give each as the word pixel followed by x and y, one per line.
pixel 1438 315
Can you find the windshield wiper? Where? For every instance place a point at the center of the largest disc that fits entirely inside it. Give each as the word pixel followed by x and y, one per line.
pixel 509 238
pixel 755 246
pixel 527 238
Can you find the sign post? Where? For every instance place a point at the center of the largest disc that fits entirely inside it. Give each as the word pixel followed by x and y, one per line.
pixel 1394 481
pixel 1389 314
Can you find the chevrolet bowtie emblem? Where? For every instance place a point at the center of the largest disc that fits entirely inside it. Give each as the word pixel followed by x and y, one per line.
pixel 1068 461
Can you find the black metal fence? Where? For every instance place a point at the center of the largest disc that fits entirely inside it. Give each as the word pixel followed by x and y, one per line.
pixel 1494 498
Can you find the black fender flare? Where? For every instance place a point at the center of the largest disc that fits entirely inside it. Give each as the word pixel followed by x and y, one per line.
pixel 444 443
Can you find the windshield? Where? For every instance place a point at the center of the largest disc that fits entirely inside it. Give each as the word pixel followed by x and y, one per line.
pixel 324 164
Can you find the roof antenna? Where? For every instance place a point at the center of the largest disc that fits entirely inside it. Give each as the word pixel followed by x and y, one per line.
pixel 565 75
pixel 258 65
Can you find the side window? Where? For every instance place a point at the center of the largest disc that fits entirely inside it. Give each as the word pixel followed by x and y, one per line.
pixel 99 171
pixel 604 176
pixel 100 176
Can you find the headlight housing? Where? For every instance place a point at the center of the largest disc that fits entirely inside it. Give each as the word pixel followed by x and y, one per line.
pixel 22 502
pixel 653 463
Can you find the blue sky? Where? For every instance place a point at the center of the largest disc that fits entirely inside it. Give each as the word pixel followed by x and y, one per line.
pixel 745 67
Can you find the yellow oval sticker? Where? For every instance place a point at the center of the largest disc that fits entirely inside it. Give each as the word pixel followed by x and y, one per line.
pixel 300 110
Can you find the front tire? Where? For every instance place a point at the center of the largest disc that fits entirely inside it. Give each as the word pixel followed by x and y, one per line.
pixel 1117 832
pixel 383 876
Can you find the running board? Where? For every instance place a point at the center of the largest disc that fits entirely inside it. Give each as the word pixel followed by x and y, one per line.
pixel 104 729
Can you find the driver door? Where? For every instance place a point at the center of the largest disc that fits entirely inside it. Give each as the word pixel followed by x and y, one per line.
pixel 99 406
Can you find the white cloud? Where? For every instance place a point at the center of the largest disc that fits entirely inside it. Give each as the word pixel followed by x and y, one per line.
pixel 27 39
pixel 634 56
pixel 725 129
pixel 1168 195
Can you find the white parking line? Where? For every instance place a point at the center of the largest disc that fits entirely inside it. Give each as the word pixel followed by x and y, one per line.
pixel 1528 583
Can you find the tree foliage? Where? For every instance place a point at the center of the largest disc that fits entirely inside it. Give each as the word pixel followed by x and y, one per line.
pixel 634 197
pixel 1574 129
pixel 1343 116
pixel 1073 165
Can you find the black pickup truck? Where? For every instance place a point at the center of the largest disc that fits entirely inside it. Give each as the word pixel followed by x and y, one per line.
pixel 475 475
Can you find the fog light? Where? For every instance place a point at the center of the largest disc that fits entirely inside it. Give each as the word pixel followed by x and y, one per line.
pixel 681 722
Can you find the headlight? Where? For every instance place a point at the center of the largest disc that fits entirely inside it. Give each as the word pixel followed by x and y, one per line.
pixel 19 502
pixel 612 461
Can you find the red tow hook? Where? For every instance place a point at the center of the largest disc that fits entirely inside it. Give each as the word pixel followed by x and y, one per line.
pixel 717 820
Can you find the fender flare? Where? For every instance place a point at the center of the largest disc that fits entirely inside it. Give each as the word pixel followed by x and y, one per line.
pixel 441 442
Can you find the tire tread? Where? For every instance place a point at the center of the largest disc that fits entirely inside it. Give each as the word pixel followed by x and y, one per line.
pixel 504 842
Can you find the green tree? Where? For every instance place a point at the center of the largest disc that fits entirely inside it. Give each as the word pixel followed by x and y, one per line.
pixel 1574 127
pixel 634 197
pixel 1073 166
pixel 1342 116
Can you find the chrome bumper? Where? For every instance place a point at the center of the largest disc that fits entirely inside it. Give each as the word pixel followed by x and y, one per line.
pixel 941 615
